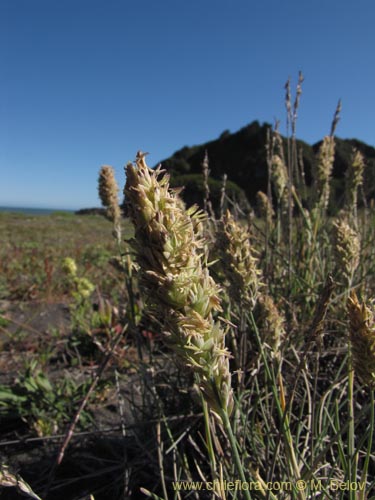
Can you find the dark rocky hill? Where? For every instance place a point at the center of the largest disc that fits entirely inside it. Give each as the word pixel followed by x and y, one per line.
pixel 242 156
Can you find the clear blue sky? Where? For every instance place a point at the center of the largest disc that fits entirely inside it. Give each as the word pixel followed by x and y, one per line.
pixel 89 82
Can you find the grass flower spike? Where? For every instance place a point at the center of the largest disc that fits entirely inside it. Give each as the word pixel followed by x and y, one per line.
pixel 239 264
pixel 279 178
pixel 108 194
pixel 354 179
pixel 347 249
pixel 173 273
pixel 326 158
pixel 271 322
pixel 362 338
pixel 265 208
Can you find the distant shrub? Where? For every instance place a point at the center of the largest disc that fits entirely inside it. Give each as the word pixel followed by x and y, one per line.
pixel 193 192
pixel 62 213
pixel 179 166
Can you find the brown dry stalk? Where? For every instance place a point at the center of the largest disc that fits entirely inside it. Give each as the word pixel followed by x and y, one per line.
pixel 336 118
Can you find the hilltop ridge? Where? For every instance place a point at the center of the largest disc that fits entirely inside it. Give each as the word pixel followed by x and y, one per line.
pixel 242 156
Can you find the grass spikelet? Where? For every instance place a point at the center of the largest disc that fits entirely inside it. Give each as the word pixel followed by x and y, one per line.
pixel 108 194
pixel 324 168
pixel 279 174
pixel 222 195
pixel 271 322
pixel 279 177
pixel 173 274
pixel 239 264
pixel 206 174
pixel 362 339
pixel 354 179
pixel 265 208
pixel 346 248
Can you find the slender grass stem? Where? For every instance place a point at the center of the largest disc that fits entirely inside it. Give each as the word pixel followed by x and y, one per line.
pixel 234 447
pixel 369 447
pixel 351 444
pixel 209 445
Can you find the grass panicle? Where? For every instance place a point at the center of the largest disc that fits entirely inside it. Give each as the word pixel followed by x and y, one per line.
pixel 280 179
pixel 108 194
pixel 239 264
pixel 324 168
pixel 362 339
pixel 171 254
pixel 347 249
pixel 265 208
pixel 271 322
pixel 354 179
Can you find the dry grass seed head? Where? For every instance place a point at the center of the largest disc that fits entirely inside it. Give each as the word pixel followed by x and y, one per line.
pixel 346 248
pixel 265 208
pixel 354 179
pixel 362 339
pixel 108 193
pixel 324 168
pixel 239 264
pixel 271 322
pixel 171 253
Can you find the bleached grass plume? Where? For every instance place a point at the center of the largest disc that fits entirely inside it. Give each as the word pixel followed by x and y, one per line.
pixel 108 194
pixel 362 339
pixel 271 322
pixel 347 248
pixel 324 168
pixel 171 253
pixel 354 179
pixel 279 177
pixel 279 173
pixel 239 264
pixel 265 208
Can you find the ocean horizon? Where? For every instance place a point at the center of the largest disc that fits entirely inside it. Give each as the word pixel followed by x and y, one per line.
pixel 34 210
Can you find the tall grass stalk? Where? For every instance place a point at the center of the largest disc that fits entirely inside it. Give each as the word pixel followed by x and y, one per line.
pixel 175 279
